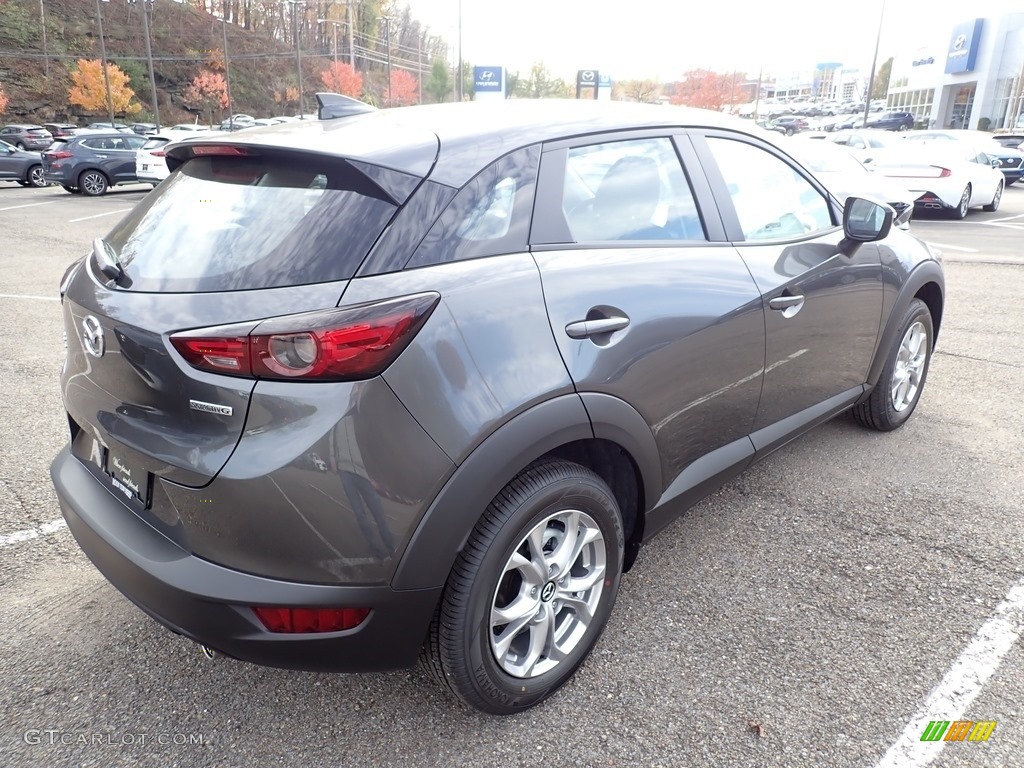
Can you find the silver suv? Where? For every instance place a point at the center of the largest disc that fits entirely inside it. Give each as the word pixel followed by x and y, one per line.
pixel 426 379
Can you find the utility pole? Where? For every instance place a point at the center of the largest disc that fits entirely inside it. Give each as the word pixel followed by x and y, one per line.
pixel 419 65
pixel 298 52
pixel 350 14
pixel 103 56
pixel 874 62
pixel 335 24
pixel 227 76
pixel 462 95
pixel 387 34
pixel 42 23
pixel 147 8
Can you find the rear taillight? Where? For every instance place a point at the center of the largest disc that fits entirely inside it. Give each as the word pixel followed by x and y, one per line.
pixel 310 619
pixel 61 155
pixel 157 153
pixel 944 173
pixel 331 345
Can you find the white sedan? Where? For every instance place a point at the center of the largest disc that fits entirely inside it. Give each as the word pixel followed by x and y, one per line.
pixel 953 179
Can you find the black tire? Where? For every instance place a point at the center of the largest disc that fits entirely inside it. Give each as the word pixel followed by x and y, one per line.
pixel 960 212
pixel 93 183
pixel 20 146
pixel 460 646
pixel 35 177
pixel 879 411
pixel 72 190
pixel 22 182
pixel 996 199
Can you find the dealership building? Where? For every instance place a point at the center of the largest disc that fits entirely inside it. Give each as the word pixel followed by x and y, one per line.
pixel 972 78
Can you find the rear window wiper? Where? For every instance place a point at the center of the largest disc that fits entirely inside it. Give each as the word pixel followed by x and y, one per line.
pixel 106 257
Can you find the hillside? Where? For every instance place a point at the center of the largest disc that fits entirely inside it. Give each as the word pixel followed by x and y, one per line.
pixel 185 40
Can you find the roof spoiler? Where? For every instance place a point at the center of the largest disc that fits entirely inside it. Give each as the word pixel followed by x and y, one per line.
pixel 332 105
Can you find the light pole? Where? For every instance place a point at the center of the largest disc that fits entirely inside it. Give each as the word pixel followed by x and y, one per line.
pixel 227 75
pixel 42 23
pixel 147 8
pixel 874 62
pixel 335 24
pixel 387 35
pixel 298 52
pixel 462 95
pixel 103 56
pixel 350 15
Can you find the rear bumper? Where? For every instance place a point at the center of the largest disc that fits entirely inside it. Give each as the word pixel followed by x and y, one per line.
pixel 211 604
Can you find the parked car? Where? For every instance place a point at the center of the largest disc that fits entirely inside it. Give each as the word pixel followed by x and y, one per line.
pixel 428 377
pixel 144 129
pixel 21 166
pixel 789 124
pixel 892 121
pixel 93 162
pixel 866 143
pixel 101 126
pixel 845 176
pixel 61 130
pixel 1011 161
pixel 237 122
pixel 951 177
pixel 150 159
pixel 25 136
pixel 1010 140
pixel 187 128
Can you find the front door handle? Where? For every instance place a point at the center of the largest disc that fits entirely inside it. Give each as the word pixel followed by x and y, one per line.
pixel 787 305
pixel 583 329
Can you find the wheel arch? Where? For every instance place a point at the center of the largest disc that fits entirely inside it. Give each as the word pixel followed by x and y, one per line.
pixel 606 435
pixel 926 282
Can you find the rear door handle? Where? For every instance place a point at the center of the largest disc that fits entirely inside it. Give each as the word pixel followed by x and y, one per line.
pixel 583 329
pixel 785 302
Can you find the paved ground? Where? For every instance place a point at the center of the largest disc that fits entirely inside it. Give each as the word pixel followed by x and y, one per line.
pixel 822 596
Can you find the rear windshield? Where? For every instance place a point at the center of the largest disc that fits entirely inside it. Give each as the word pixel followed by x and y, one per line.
pixel 239 223
pixel 154 143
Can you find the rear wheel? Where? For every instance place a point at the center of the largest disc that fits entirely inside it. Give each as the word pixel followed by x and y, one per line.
pixel 92 183
pixel 899 388
pixel 996 199
pixel 20 145
pixel 531 592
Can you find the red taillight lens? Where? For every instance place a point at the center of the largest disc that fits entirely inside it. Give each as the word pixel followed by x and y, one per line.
pixel 332 345
pixel 219 149
pixel 294 620
pixel 157 153
pixel 61 155
pixel 944 173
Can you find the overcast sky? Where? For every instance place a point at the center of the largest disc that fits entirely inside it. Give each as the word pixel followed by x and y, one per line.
pixel 664 38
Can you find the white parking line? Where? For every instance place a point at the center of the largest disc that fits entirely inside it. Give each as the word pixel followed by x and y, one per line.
pixel 98 215
pixel 45 529
pixel 1007 218
pixel 22 296
pixel 962 683
pixel 953 247
pixel 27 205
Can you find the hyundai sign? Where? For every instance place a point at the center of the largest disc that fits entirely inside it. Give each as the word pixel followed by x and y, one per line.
pixel 963 47
pixel 488 83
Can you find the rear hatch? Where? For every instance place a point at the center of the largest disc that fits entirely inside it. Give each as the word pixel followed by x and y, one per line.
pixel 234 236
pixel 151 159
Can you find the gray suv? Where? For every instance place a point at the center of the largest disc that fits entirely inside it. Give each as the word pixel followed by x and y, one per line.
pixel 426 379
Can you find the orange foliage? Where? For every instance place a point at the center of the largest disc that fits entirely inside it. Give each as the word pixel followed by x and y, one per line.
pixel 89 91
pixel 3 101
pixel 342 78
pixel 287 96
pixel 705 89
pixel 207 91
pixel 215 60
pixel 404 89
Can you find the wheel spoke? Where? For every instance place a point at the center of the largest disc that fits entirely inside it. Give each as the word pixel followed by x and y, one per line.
pixel 539 636
pixel 533 573
pixel 580 607
pixel 568 548
pixel 523 607
pixel 585 583
pixel 503 641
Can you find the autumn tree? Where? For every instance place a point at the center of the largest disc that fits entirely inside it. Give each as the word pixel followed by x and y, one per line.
pixel 541 85
pixel 89 91
pixel 404 89
pixel 705 89
pixel 286 95
pixel 207 91
pixel 3 101
pixel 342 78
pixel 642 91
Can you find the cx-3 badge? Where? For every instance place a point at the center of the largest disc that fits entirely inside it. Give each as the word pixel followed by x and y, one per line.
pixel 92 337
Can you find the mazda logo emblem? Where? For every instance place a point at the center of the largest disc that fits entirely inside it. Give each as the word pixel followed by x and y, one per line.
pixel 92 337
pixel 588 76
pixel 548 592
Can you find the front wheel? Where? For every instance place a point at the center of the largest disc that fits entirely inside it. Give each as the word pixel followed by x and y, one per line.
pixel 899 388
pixel 35 176
pixel 531 591
pixel 996 199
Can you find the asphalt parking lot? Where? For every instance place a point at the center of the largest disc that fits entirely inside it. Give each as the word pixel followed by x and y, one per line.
pixel 817 611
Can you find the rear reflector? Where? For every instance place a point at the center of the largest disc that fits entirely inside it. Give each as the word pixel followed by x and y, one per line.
pixel 218 149
pixel 296 620
pixel 344 344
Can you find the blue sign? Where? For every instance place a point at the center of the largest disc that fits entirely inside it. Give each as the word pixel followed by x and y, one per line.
pixel 488 80
pixel 604 81
pixel 963 47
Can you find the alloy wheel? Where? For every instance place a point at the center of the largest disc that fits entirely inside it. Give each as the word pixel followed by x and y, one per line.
pixel 910 361
pixel 548 593
pixel 36 178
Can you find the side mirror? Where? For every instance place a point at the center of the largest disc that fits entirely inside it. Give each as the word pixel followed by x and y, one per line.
pixel 865 221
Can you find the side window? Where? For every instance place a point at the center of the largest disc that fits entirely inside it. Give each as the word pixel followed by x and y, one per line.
pixel 489 216
pixel 629 190
pixel 857 142
pixel 135 142
pixel 771 199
